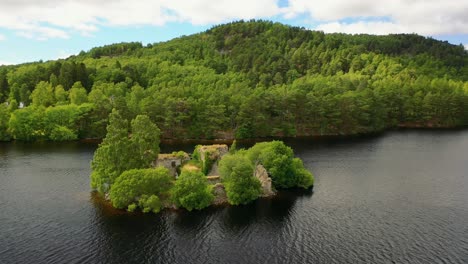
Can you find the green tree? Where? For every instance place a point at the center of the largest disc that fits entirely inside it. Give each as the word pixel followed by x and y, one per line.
pixel 43 95
pixel 62 122
pixel 118 153
pixel 258 79
pixel 148 204
pixel 13 105
pixel 4 86
pixel 111 157
pixel 61 96
pixel 102 107
pixel 145 139
pixel 27 124
pixel 67 75
pixel 62 133
pixel 236 172
pixel 77 94
pixel 133 184
pixel 191 191
pixel 134 99
pixel 278 159
pixel 233 147
pixel 4 117
pixel 306 178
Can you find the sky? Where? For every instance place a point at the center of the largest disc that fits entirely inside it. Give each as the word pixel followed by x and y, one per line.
pixel 32 30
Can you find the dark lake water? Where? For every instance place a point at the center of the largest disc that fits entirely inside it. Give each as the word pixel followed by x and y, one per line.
pixel 401 197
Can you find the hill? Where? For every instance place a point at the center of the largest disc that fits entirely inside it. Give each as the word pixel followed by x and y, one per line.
pixel 242 79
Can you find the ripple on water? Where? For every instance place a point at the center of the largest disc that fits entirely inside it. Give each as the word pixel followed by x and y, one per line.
pixel 398 198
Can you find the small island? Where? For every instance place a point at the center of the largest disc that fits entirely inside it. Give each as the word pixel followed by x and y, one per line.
pixel 129 171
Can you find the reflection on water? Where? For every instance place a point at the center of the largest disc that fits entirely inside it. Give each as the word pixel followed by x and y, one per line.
pixel 395 198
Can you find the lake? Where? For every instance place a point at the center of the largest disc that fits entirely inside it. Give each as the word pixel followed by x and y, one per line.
pixel 400 197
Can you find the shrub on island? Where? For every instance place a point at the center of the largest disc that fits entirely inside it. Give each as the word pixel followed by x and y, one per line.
pixel 138 186
pixel 278 159
pixel 191 191
pixel 237 176
pixel 237 171
pixel 150 203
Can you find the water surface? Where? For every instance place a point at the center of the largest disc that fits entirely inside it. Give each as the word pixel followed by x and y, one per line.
pixel 397 198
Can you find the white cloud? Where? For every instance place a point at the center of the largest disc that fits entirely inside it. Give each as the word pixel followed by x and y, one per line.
pixel 205 11
pixel 466 46
pixel 5 63
pixel 41 32
pixel 426 17
pixel 2 37
pixel 42 19
pixel 372 27
pixel 63 54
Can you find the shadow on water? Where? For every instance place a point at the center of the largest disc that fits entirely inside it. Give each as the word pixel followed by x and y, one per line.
pixel 121 220
pixel 4 150
pixel 104 208
pixel 274 209
pixel 47 147
pixel 193 220
pixel 125 233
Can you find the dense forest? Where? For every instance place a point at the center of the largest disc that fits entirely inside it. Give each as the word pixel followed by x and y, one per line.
pixel 242 80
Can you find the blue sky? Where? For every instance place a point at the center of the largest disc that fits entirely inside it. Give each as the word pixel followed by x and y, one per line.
pixel 51 29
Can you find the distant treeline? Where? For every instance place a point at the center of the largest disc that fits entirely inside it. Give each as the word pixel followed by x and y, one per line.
pixel 243 79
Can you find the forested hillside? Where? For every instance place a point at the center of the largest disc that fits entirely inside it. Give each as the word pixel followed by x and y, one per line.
pixel 243 79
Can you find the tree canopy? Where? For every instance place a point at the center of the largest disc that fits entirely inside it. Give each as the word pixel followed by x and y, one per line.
pixel 251 79
pixel 191 191
pixel 4 117
pixel 141 185
pixel 237 176
pixel 122 149
pixel 278 159
pixel 284 169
